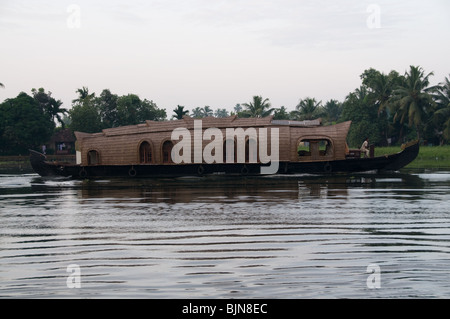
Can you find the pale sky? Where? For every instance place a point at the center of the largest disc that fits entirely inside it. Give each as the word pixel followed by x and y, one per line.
pixel 216 53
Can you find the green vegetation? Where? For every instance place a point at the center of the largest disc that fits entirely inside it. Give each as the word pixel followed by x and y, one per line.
pixel 92 114
pixel 257 108
pixel 27 121
pixel 395 108
pixel 179 112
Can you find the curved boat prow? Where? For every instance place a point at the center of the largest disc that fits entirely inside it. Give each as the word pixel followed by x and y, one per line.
pixel 407 155
pixel 39 165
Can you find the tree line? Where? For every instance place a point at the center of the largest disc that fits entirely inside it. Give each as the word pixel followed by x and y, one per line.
pixel 28 121
pixel 391 108
pixel 388 108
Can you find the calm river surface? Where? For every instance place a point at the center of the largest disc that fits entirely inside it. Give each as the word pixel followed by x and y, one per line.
pixel 356 236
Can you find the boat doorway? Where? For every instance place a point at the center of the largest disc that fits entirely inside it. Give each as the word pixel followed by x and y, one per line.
pixel 93 157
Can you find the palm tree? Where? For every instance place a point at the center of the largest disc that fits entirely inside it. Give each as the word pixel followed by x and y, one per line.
pixel 380 88
pixel 83 94
pixel 442 115
pixel 442 94
pixel 49 105
pixel 411 99
pixel 308 109
pixel 281 114
pixel 179 112
pixel 257 108
pixel 56 110
pixel 197 112
pixel 207 111
pixel 381 92
pixel 221 113
pixel 332 110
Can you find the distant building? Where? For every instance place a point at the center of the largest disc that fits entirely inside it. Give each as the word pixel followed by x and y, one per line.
pixel 61 143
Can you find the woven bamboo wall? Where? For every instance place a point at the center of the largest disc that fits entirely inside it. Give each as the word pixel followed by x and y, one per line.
pixel 120 146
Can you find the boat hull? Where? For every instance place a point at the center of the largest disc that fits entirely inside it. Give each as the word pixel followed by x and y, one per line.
pixel 391 162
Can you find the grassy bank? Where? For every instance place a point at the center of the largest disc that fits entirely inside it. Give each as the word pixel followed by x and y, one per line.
pixel 430 157
pixel 15 165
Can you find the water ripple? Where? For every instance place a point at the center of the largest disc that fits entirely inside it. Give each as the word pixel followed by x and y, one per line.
pixel 298 237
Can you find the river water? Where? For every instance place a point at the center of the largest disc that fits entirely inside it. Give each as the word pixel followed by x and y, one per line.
pixel 355 236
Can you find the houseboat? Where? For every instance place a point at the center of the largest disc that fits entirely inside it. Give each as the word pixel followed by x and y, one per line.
pixel 223 146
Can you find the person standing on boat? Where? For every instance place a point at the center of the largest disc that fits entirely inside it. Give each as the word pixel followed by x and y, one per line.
pixel 365 147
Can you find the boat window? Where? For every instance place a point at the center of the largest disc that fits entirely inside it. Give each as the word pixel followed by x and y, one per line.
pixel 145 152
pixel 167 152
pixel 315 148
pixel 93 158
pixel 303 149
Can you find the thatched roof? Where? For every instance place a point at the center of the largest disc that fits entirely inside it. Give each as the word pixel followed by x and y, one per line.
pixel 65 135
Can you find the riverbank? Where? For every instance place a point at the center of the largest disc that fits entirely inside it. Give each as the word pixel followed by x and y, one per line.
pixel 430 157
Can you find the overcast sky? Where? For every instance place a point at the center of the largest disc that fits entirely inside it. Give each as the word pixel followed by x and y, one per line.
pixel 216 53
